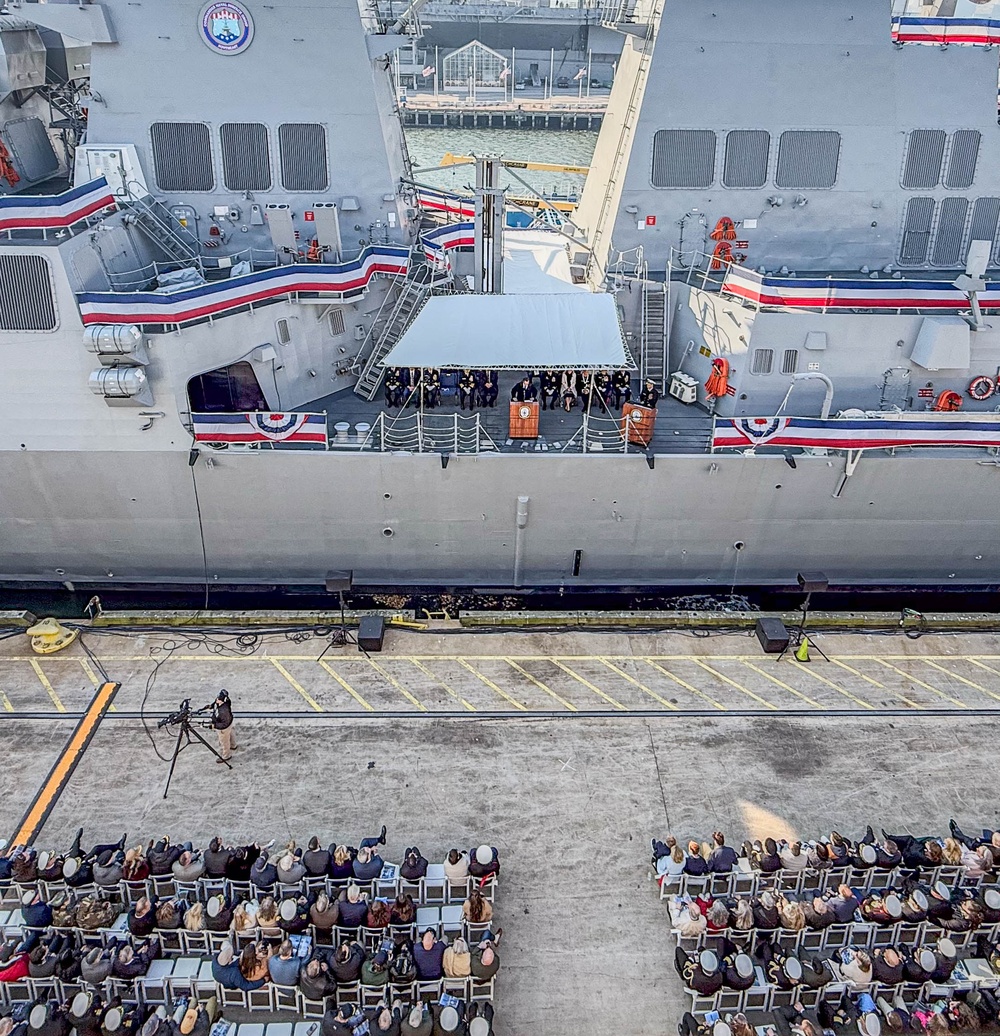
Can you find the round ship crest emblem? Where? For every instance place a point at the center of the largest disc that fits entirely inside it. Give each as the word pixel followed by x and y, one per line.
pixel 226 27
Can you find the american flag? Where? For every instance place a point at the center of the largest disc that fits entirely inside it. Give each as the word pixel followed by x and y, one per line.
pixel 580 74
pixel 428 71
pixel 505 72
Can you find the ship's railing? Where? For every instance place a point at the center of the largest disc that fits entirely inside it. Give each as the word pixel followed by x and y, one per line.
pixel 597 435
pixel 418 432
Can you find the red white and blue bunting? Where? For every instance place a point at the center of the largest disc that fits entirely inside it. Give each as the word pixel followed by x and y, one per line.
pixel 857 433
pixel 437 243
pixel 258 427
pixel 445 204
pixel 347 280
pixel 53 211
pixel 848 293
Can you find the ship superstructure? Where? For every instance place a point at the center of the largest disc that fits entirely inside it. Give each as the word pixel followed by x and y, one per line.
pixel 214 245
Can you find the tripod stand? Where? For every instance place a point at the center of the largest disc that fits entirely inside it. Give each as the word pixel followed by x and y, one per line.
pixel 186 736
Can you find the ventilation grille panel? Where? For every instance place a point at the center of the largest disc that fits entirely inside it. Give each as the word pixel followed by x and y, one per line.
pixel 985 217
pixel 923 159
pixel 746 158
pixel 182 156
pixel 337 327
pixel 950 231
pixel 917 231
pixel 26 302
pixel 762 361
pixel 808 159
pixel 303 156
pixel 246 157
pixel 962 159
pixel 683 158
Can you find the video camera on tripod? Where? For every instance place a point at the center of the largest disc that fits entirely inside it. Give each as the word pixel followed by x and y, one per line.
pixel 183 715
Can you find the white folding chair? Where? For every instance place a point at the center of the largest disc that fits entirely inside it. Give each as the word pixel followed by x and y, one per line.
pixel 203 984
pixel 260 999
pixel 456 987
pixel 429 917
pixel 278 1029
pixel 434 885
pixel 194 943
pixel 184 973
pixel 286 998
pixel 154 983
pixel 311 1008
pixel 481 989
pixel 372 996
pixel 233 998
pixel 250 1029
pixel 451 919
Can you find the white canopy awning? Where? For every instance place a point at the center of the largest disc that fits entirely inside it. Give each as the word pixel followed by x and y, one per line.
pixel 578 330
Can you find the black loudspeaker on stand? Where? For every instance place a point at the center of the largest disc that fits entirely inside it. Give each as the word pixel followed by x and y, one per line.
pixel 773 636
pixel 371 631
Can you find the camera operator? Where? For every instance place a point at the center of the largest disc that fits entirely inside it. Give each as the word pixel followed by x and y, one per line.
pixel 222 721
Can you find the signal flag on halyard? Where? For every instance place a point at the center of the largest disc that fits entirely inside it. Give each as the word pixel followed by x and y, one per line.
pixel 505 72
pixel 258 427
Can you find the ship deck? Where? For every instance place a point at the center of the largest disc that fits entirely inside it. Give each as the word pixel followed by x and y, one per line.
pixel 570 801
pixel 679 428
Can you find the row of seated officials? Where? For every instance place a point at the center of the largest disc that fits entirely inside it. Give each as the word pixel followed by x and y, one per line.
pixel 414 386
pixel 910 901
pixel 88 1013
pixel 978 856
pixel 972 1011
pixel 107 865
pixel 725 965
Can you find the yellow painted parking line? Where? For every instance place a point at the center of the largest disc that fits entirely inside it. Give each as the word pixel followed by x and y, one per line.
pixel 874 682
pixel 395 683
pixel 295 683
pixel 92 677
pixel 830 683
pixel 641 686
pixel 347 687
pixel 733 683
pixel 685 684
pixel 983 665
pixel 489 683
pixel 538 683
pixel 48 687
pixel 962 679
pixel 921 683
pixel 787 687
pixel 586 683
pixel 437 679
pixel 5 701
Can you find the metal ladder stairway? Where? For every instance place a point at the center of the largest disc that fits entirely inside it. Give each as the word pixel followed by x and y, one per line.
pixel 654 333
pixel 162 228
pixel 388 329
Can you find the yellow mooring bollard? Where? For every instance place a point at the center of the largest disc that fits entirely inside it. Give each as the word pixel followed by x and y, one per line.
pixel 48 636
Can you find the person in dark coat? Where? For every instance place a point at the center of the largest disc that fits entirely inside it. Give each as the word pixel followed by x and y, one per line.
pixel 701 972
pixel 524 391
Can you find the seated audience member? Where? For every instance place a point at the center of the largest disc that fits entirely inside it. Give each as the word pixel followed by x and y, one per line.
pixel 284 966
pixel 484 862
pixel 701 972
pixel 324 912
pixel 795 1020
pixel 142 917
pixel 741 915
pixel 263 873
pixel 695 864
pixel 403 911
pixel 347 961
pixel 781 969
pixel 367 864
pixel 216 857
pixel 485 960
pixel 765 911
pixel 353 906
pixel 457 960
pixel 856 969
pixel 315 980
pixel 290 868
pixel 844 904
pixel 379 914
pixel 428 956
pixel 818 914
pixel 672 865
pixel 793 858
pixel 722 858
pixel 189 866
pixel 375 969
pixel 456 866
pixel 887 966
pixel 254 960
pixel 414 866
pixel 917 852
pixel 316 859
pixel 791 913
pixel 477 909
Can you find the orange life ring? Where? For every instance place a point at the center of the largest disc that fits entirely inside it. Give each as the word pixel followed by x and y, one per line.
pixel 982 387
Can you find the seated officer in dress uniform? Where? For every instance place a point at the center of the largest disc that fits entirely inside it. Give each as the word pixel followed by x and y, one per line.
pixel 550 389
pixel 432 388
pixel 393 387
pixel 621 388
pixel 701 972
pixel 467 389
pixel 650 394
pixel 488 383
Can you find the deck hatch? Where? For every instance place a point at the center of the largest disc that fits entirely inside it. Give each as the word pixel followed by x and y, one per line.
pixel 808 159
pixel 746 158
pixel 917 231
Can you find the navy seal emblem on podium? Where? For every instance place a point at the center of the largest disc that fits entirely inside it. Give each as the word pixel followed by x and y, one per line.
pixel 226 27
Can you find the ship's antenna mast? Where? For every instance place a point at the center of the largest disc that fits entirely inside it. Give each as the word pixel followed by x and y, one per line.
pixel 489 226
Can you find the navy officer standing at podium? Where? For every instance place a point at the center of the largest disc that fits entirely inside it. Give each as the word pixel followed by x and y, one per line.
pixel 524 391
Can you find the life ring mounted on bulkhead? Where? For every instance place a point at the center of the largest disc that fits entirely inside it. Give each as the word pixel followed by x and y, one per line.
pixel 982 387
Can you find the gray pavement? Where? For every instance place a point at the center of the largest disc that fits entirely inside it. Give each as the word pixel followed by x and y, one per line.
pixel 571 802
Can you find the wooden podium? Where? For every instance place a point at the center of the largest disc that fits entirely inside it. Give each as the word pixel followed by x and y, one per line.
pixel 524 420
pixel 637 423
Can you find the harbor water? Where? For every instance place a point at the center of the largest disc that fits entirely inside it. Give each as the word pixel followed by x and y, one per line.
pixel 567 147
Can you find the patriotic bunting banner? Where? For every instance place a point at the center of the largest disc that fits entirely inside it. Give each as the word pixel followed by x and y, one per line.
pixel 260 428
pixel 50 211
pixel 975 22
pixel 857 433
pixel 827 293
pixel 179 307
pixel 437 243
pixel 445 203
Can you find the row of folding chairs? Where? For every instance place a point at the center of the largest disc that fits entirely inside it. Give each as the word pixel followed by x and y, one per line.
pixel 741 882
pixel 860 934
pixel 763 997
pixel 435 888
